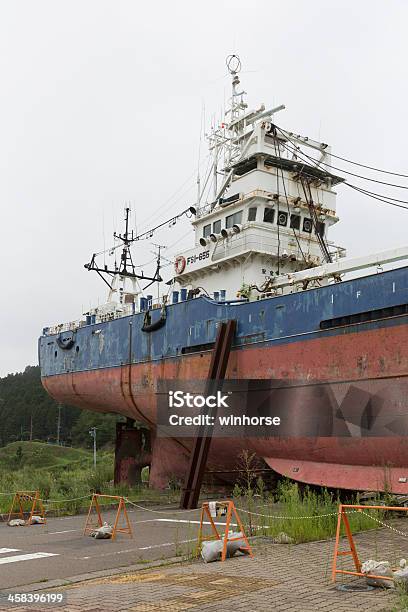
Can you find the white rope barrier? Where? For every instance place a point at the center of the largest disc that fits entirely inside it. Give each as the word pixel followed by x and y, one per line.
pixel 384 524
pixel 274 516
pixel 249 512
pixel 169 511
pixel 54 501
pixel 60 501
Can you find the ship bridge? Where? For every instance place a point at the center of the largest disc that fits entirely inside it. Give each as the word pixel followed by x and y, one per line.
pixel 272 212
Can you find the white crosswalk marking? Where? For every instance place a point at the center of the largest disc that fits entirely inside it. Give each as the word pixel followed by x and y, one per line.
pixel 7 550
pixel 26 557
pixel 168 520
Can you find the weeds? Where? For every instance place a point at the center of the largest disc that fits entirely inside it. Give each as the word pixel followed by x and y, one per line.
pixel 402 594
pixel 304 515
pixel 63 475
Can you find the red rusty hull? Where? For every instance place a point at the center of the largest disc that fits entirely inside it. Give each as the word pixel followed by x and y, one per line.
pixel 378 358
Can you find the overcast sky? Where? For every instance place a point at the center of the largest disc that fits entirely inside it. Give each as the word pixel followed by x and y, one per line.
pixel 101 104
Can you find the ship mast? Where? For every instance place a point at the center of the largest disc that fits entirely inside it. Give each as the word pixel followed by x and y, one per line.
pixel 126 266
pixel 233 135
pixel 220 140
pixel 116 278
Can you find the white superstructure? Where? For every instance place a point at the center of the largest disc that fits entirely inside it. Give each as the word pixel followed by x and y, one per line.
pixel 269 213
pixel 262 229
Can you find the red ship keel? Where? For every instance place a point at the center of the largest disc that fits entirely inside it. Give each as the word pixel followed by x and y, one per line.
pixel 340 476
pixel 376 358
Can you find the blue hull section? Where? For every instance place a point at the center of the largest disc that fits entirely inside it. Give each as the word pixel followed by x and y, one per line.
pixel 191 325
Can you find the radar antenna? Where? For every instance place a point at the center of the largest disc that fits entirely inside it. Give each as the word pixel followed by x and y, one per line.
pixel 238 104
pixel 233 63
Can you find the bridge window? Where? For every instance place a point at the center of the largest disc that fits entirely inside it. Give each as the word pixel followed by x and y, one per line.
pixel 269 215
pixel 217 226
pixel 320 228
pixel 233 219
pixel 252 214
pixel 207 230
pixel 295 221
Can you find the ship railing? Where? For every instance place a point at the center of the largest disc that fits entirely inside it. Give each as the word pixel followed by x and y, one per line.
pixel 63 327
pixel 260 242
pixel 99 318
pixel 337 252
pixel 324 199
pixel 204 209
pixel 124 311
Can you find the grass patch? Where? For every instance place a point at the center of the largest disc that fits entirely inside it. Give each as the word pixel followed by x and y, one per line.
pixel 402 597
pixel 304 515
pixel 63 474
pixel 38 455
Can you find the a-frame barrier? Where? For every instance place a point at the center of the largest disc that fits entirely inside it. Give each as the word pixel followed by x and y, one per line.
pixel 121 511
pixel 32 498
pixel 342 519
pixel 231 511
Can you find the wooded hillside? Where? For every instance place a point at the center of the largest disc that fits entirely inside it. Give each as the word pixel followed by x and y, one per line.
pixel 28 412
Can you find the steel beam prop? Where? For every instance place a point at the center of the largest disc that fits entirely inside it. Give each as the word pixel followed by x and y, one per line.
pixel 201 446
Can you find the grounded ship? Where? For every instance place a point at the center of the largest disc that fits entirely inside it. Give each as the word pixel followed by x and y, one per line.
pixel 261 257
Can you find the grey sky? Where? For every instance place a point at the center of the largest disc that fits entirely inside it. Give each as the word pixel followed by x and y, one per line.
pixel 101 104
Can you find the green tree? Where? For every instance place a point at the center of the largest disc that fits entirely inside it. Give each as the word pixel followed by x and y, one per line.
pixel 23 400
pixel 104 423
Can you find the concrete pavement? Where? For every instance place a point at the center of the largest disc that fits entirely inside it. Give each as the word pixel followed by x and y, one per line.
pixel 294 578
pixel 59 549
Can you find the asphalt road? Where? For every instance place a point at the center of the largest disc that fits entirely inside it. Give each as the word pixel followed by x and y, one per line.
pixel 59 549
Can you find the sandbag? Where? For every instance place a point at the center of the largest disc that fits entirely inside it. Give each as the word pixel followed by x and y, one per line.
pixel 16 523
pixel 283 538
pixel 211 550
pixel 378 568
pixel 401 578
pixel 233 547
pixel 37 520
pixel 102 533
pixel 212 506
